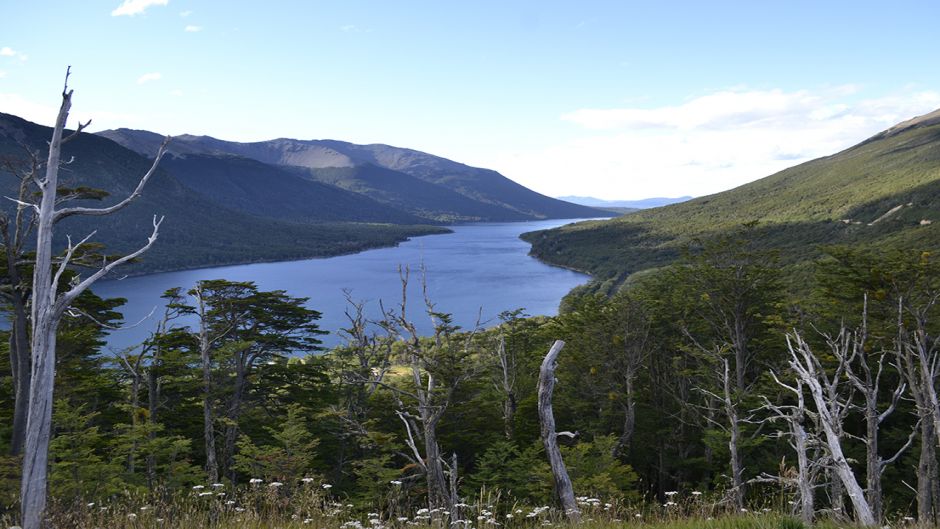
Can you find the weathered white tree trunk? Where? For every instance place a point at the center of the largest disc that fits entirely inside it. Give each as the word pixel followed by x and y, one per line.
pixel 550 436
pixel 795 415
pixel 806 366
pixel 47 310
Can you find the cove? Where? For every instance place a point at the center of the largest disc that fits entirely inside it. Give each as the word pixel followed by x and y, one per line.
pixel 474 273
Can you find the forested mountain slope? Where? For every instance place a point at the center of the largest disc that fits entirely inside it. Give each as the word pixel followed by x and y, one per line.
pixel 883 191
pixel 198 230
pixel 463 193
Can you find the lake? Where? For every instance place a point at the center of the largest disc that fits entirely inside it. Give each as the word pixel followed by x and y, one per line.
pixel 480 269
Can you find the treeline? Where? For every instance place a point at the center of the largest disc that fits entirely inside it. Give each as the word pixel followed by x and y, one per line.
pixel 811 390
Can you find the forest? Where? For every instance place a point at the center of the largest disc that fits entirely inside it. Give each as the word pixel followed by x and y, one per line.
pixel 723 382
pixel 729 388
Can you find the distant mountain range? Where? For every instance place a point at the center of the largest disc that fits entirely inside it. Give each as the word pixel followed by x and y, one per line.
pixel 645 203
pixel 882 192
pixel 229 202
pixel 418 184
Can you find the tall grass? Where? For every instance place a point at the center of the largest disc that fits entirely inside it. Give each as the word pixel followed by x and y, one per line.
pixel 310 505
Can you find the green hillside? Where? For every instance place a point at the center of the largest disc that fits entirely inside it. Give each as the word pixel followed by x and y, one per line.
pixel 884 191
pixel 197 231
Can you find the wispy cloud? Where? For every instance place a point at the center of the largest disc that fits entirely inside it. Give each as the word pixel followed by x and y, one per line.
pixel 45 114
pixel 147 77
pixel 186 13
pixel 176 93
pixel 192 29
pixel 136 7
pixel 352 28
pixel 7 51
pixel 2 74
pixel 711 142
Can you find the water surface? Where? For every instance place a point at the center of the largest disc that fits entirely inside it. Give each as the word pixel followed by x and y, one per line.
pixel 479 270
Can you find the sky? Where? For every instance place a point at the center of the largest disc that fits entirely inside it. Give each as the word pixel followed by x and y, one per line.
pixel 616 99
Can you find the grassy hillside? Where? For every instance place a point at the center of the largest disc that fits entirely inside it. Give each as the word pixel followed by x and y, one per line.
pixel 197 231
pixel 884 191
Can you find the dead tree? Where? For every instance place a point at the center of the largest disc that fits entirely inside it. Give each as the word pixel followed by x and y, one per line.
pixel 15 230
pixel 801 440
pixel 506 383
pixel 438 366
pixel 849 349
pixel 918 358
pixel 550 436
pixel 809 371
pixel 731 426
pixel 49 305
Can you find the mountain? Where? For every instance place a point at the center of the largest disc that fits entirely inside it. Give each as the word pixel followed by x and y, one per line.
pixel 645 203
pixel 200 228
pixel 264 190
pixel 474 194
pixel 884 191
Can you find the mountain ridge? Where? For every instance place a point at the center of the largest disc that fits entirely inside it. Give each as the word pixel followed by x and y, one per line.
pixel 485 186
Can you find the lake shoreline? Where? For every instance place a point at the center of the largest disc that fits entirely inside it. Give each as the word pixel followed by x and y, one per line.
pixel 118 276
pixel 481 269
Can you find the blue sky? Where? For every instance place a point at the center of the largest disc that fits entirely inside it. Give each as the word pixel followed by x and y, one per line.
pixel 614 99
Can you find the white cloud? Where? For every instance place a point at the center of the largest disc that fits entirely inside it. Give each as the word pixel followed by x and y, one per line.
pixel 706 144
pixel 45 114
pixel 7 51
pixel 147 77
pixel 2 74
pixel 176 93
pixel 186 13
pixel 348 27
pixel 136 7
pixel 19 106
pixel 193 29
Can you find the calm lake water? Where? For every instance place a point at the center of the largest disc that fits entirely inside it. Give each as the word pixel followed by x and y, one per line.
pixel 480 267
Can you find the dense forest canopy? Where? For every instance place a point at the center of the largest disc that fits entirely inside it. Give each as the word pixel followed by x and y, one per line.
pixel 683 381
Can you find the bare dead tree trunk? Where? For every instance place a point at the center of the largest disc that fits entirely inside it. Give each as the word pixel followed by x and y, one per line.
pixel 734 442
pixel 795 416
pixel 153 400
pixel 208 421
pixel 133 367
pixel 21 223
pixel 507 385
pixel 550 436
pixel 47 310
pixel 625 442
pixel 731 426
pixel 806 366
pixel 849 349
pixel 919 362
pixel 20 362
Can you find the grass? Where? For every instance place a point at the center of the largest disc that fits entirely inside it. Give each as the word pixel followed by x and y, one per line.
pixel 310 505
